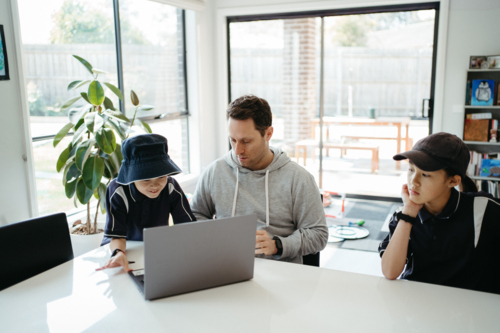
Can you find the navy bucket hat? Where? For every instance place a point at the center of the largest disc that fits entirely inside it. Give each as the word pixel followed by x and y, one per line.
pixel 145 157
pixel 438 151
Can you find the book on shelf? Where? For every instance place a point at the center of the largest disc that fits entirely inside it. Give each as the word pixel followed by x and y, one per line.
pixel 490 168
pixel 491 187
pixel 476 129
pixel 482 115
pixel 478 161
pixel 482 92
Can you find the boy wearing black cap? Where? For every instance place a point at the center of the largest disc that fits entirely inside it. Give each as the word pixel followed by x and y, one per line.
pixel 443 236
pixel 142 196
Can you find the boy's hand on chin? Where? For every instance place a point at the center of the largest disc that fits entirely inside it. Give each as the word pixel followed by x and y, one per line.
pixel 410 208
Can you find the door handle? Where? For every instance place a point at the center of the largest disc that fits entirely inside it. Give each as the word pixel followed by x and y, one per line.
pixel 425 110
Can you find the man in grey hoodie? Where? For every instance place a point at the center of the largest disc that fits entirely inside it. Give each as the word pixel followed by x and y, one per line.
pixel 254 178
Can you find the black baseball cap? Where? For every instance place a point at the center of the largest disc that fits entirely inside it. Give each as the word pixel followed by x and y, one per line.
pixel 438 151
pixel 145 157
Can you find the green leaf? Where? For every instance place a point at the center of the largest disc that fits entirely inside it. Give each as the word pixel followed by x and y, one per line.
pixel 109 171
pixel 75 201
pixel 92 172
pixel 100 119
pixel 72 172
pixel 77 84
pixel 85 63
pixel 108 104
pixel 76 114
pixel 89 121
pixel 73 84
pixel 145 126
pixel 98 71
pixel 79 123
pixel 115 90
pixel 69 102
pixel 96 93
pixel 106 140
pixel 83 192
pixel 113 126
pixel 134 98
pixel 145 108
pixel 83 152
pixel 72 153
pixel 62 133
pixel 85 96
pixel 78 133
pixel 118 115
pixel 61 161
pixel 102 195
pixel 70 188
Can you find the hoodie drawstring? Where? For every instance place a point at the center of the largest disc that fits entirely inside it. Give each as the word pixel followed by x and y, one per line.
pixel 267 195
pixel 235 191
pixel 267 198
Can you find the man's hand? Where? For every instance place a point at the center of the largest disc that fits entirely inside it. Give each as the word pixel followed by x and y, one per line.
pixel 410 208
pixel 120 259
pixel 264 244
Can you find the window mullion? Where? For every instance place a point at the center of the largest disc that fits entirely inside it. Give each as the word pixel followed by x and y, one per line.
pixel 118 43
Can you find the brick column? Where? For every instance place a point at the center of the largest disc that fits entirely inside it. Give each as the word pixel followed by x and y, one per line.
pixel 299 78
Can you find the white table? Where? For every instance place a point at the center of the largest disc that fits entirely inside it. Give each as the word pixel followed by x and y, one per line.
pixel 282 297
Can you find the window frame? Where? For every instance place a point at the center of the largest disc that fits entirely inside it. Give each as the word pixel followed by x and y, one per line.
pixel 118 44
pixel 181 114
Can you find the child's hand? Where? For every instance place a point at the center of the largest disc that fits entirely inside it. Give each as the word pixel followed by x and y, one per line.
pixel 120 259
pixel 410 208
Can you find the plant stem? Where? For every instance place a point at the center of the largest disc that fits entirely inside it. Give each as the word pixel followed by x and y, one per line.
pixel 88 218
pixel 96 212
pixel 132 123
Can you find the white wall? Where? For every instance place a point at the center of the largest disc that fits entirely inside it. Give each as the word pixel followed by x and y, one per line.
pixel 15 202
pixel 473 29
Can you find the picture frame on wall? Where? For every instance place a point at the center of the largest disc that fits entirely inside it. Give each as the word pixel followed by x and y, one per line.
pixel 478 62
pixel 494 62
pixel 4 64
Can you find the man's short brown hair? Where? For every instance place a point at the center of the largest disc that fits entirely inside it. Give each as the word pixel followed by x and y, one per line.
pixel 250 106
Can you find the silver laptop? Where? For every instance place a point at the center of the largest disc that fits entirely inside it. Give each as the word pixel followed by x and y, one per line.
pixel 194 256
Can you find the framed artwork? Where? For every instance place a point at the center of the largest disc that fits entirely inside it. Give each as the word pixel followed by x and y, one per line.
pixel 482 92
pixel 494 62
pixel 4 65
pixel 478 62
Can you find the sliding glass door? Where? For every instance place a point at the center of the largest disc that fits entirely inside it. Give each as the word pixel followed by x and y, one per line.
pixel 366 75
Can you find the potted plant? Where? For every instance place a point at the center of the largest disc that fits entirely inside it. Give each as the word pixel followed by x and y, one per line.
pixel 93 157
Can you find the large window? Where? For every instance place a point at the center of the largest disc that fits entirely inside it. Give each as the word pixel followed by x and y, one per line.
pixel 371 81
pixel 146 55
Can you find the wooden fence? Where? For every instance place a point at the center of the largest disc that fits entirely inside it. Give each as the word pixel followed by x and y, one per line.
pixel 392 81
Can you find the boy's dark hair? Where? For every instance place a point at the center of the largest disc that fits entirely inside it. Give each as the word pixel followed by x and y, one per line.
pixel 467 183
pixel 250 106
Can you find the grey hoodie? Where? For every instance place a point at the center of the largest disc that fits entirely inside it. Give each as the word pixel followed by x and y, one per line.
pixel 284 196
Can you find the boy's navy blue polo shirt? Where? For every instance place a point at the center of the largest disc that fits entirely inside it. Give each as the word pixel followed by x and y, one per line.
pixel 458 247
pixel 130 211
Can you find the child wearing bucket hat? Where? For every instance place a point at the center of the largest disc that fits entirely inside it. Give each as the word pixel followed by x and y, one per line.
pixel 143 195
pixel 441 235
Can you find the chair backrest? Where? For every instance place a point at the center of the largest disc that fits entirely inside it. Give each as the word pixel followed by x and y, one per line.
pixel 312 259
pixel 31 247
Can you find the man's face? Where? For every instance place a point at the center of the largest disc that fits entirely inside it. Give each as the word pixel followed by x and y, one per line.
pixel 248 144
pixel 151 187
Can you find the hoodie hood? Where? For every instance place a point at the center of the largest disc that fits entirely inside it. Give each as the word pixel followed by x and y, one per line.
pixel 280 160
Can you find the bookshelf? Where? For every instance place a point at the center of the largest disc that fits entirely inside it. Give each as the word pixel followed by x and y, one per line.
pixel 482 74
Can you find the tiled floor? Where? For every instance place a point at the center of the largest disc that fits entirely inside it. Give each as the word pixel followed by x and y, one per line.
pixel 335 257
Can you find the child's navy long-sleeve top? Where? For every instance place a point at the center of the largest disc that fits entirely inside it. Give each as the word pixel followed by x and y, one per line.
pixel 129 211
pixel 458 247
